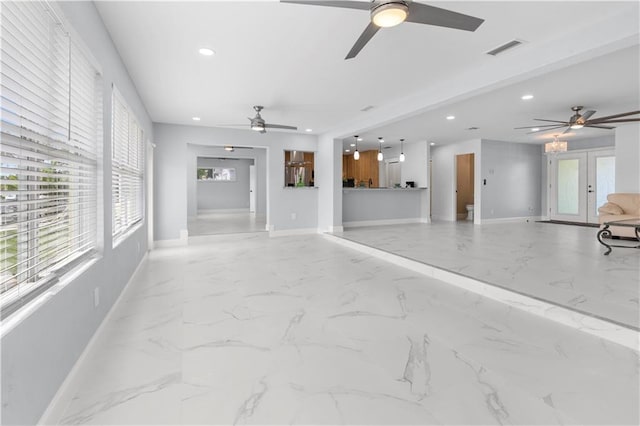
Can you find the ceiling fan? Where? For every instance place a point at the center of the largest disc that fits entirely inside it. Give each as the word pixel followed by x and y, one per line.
pixel 578 121
pixel 389 13
pixel 259 125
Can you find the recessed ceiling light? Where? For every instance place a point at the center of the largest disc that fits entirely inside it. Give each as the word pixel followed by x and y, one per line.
pixel 432 143
pixel 450 117
pixel 526 97
pixel 535 129
pixel 359 139
pixel 205 51
pixel 353 144
pixel 195 118
pixel 347 150
pixel 309 130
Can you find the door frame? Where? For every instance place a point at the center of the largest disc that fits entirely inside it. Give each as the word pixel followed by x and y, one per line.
pixel 586 178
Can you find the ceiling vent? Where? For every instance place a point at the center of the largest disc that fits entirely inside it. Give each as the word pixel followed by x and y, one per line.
pixel 502 48
pixel 473 128
pixel 367 108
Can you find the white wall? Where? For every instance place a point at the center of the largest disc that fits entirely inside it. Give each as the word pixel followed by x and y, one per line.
pixel 287 208
pixel 443 185
pixel 416 165
pixel 628 158
pixel 329 182
pixel 513 175
pixel 41 349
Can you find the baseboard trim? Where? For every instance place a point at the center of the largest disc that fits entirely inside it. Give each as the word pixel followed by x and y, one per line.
pixel 360 223
pixel 241 210
pixel 290 232
pixel 60 401
pixel 596 326
pixel 178 242
pixel 510 220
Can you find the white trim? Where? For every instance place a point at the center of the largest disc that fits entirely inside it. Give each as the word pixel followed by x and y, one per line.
pixel 512 220
pixel 13 320
pixel 205 211
pixel 61 400
pixel 290 232
pixel 178 242
pixel 335 229
pixel 595 326
pixel 381 222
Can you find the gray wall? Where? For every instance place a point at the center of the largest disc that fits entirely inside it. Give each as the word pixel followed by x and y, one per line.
pixel 363 205
pixel 38 353
pixel 287 208
pixel 513 173
pixel 628 158
pixel 214 195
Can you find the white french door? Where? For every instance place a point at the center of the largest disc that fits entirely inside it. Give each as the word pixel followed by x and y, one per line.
pixel 579 184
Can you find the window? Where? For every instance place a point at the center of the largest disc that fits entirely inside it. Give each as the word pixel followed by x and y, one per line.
pixel 127 167
pixel 51 120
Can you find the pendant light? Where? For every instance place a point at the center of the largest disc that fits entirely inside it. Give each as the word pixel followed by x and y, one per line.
pixel 402 158
pixel 356 154
pixel 380 156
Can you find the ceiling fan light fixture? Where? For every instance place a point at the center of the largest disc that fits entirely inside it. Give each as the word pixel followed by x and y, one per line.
pixel 228 148
pixel 577 126
pixel 390 14
pixel 257 127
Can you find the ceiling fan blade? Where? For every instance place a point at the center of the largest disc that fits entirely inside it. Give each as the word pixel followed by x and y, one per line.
pixel 587 114
pixel 624 114
pixel 552 121
pixel 568 129
pixel 420 13
pixel 279 126
pixel 538 126
pixel 599 127
pixel 626 120
pixel 364 38
pixel 362 5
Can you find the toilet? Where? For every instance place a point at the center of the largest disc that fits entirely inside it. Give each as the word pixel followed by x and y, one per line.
pixel 469 211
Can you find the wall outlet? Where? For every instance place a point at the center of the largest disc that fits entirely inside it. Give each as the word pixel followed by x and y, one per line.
pixel 96 297
pixel 293 216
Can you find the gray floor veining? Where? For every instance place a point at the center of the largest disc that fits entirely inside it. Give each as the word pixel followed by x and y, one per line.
pixel 562 264
pixel 221 222
pixel 248 329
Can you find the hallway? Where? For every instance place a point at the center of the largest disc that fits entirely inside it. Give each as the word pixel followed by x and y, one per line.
pixel 239 329
pixel 212 223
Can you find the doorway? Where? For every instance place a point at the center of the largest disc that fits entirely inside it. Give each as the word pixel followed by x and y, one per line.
pixel 579 184
pixel 465 186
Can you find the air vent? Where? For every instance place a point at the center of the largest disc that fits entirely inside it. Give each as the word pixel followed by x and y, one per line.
pixel 501 49
pixel 473 128
pixel 367 108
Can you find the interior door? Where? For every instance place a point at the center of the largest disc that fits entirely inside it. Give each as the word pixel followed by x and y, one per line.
pixel 601 180
pixel 568 187
pixel 252 189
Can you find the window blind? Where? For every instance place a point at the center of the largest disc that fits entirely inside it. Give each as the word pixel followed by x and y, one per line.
pixel 50 118
pixel 127 167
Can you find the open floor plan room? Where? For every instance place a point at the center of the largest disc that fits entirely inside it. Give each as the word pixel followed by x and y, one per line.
pixel 247 329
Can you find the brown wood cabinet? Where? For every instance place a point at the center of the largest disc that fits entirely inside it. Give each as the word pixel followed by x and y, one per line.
pixel 367 167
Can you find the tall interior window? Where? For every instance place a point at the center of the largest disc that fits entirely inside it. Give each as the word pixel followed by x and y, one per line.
pixel 51 119
pixel 127 167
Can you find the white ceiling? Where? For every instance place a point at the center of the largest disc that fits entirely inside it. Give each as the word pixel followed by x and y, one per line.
pixel 289 58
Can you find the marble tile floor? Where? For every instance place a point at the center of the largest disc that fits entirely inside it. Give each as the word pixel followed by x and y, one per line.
pixel 562 264
pixel 248 329
pixel 221 222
